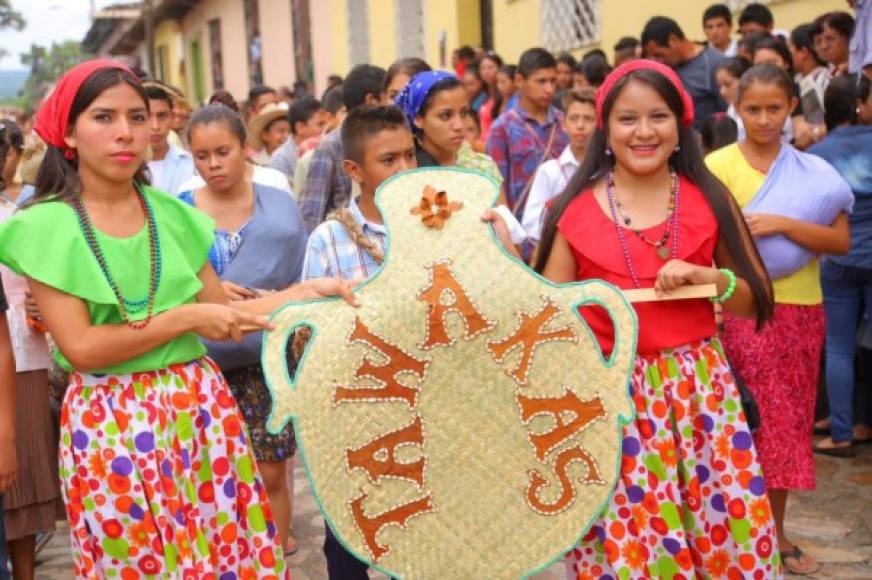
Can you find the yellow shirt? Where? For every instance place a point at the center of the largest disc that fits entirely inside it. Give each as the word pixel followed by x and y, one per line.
pixel 730 166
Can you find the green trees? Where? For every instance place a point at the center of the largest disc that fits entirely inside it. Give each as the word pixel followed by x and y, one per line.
pixel 46 66
pixel 9 18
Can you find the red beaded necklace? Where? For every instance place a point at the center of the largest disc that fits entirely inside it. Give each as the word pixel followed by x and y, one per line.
pixel 659 245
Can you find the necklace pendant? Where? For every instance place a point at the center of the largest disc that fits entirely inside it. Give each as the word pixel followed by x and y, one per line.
pixel 663 252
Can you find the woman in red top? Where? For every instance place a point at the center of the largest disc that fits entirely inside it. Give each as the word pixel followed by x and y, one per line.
pixel 643 211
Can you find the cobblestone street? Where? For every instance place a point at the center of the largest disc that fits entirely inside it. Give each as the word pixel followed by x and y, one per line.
pixel 833 524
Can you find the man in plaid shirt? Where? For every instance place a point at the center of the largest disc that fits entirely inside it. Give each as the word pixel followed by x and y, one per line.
pixel 327 186
pixel 527 136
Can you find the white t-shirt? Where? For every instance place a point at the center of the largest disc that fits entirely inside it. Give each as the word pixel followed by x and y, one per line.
pixel 156 168
pixel 262 175
pixel 550 180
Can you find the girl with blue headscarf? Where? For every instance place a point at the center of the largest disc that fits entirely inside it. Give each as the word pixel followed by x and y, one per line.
pixel 436 105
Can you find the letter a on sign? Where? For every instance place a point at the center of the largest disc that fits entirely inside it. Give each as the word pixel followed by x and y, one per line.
pixel 446 295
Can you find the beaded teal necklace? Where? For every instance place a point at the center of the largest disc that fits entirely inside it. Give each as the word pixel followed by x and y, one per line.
pixel 125 305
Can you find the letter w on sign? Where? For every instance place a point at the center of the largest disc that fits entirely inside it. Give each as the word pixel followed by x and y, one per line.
pixel 398 362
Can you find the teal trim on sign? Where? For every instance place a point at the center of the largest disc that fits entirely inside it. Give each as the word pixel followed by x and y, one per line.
pixel 570 286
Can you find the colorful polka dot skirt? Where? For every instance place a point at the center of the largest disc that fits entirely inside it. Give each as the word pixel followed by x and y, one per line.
pixel 690 501
pixel 159 480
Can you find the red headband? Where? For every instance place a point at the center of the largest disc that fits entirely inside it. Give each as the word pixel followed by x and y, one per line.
pixel 603 92
pixel 54 114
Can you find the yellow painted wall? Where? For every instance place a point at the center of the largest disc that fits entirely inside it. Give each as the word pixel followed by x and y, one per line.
pixel 468 24
pixel 517 27
pixel 458 20
pixel 168 34
pixel 339 55
pixel 382 32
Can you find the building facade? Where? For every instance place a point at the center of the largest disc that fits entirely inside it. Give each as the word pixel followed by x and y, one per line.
pixel 206 45
pixel 380 31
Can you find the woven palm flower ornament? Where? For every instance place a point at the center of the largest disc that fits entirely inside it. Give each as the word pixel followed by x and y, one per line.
pixel 462 423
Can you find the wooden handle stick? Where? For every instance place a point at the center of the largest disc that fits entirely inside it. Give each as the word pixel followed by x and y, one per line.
pixel 682 293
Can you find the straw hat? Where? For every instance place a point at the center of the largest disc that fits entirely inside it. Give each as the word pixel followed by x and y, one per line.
pixel 267 115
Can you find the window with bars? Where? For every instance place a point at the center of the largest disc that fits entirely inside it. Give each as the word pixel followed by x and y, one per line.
pixel 215 52
pixel 358 32
pixel 570 24
pixel 410 28
pixel 252 35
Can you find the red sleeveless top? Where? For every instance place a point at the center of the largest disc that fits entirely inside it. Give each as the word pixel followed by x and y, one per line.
pixel 594 242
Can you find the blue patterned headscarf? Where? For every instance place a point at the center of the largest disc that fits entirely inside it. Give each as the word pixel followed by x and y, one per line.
pixel 415 93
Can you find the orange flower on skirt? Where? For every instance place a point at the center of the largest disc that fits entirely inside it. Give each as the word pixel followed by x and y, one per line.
pixel 138 534
pixel 96 465
pixel 668 455
pixel 635 553
pixel 717 564
pixel 760 512
pixel 722 446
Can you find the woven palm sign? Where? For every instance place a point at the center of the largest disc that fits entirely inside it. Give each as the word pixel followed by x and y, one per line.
pixel 462 423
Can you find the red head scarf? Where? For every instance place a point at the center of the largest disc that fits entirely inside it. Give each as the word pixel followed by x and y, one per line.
pixel 54 114
pixel 639 64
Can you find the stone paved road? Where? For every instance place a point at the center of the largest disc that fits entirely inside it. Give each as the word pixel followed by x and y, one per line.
pixel 832 523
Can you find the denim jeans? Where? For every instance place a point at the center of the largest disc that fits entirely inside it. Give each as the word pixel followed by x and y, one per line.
pixel 4 560
pixel 846 289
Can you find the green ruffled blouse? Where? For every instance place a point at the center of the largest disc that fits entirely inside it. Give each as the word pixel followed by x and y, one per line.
pixel 46 243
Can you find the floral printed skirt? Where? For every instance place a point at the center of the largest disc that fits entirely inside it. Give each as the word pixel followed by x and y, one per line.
pixel 781 365
pixel 159 481
pixel 690 501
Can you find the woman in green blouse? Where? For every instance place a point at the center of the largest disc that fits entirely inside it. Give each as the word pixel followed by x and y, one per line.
pixel 158 477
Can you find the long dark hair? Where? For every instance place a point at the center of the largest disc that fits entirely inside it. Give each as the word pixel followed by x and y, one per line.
pixel 802 39
pixel 688 161
pixel 509 70
pixel 497 60
pixel 58 177
pixel 779 47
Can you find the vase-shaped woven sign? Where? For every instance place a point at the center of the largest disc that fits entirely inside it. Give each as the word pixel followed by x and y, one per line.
pixel 462 423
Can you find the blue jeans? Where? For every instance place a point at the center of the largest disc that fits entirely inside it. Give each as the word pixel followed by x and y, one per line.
pixel 846 289
pixel 4 560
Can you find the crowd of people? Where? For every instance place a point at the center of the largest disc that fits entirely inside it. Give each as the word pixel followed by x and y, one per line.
pixel 142 235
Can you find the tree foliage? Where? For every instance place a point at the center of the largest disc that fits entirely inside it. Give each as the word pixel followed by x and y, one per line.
pixel 9 18
pixel 46 66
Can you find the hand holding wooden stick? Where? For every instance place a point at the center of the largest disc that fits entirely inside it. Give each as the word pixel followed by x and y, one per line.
pixel 682 293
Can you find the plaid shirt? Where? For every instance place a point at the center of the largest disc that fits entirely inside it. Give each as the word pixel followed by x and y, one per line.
pixel 327 186
pixel 331 253
pixel 516 143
